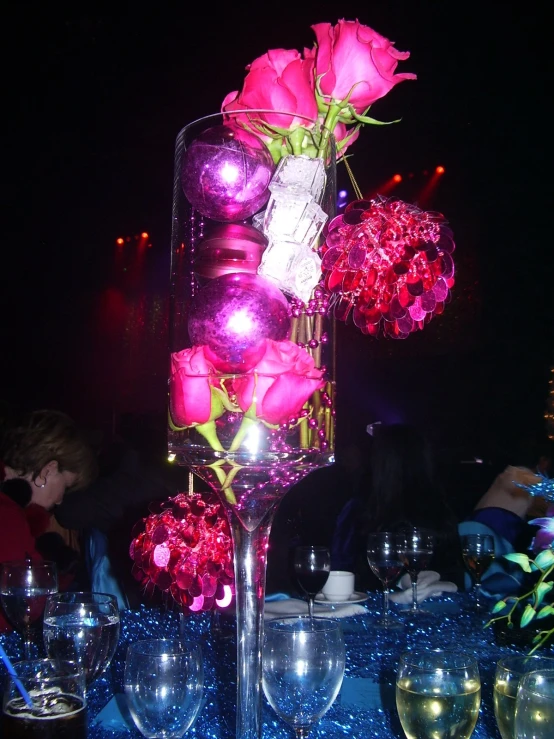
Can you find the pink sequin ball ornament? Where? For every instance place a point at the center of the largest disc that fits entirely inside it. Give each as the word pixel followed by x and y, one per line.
pixel 235 313
pixel 389 265
pixel 185 550
pixel 225 173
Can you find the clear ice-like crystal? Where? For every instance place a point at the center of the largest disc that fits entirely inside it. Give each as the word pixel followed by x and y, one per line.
pixel 301 175
pixel 291 219
pixel 258 220
pixel 295 268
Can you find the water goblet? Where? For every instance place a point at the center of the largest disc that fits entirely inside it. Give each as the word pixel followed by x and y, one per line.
pixel 302 669
pixel 24 587
pixel 534 714
pixel 416 554
pixel 312 566
pixel 164 682
pixel 58 703
pixel 82 627
pixel 438 693
pixel 478 555
pixel 508 674
pixel 384 551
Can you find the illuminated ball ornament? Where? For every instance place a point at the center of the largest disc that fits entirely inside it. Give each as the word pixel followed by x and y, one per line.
pixel 234 314
pixel 226 172
pixel 184 549
pixel 388 265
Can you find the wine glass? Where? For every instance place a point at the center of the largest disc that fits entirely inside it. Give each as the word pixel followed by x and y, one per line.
pixel 302 669
pixel 534 716
pixel 312 566
pixel 164 681
pixel 24 587
pixel 508 674
pixel 84 628
pixel 416 554
pixel 384 551
pixel 438 693
pixel 478 555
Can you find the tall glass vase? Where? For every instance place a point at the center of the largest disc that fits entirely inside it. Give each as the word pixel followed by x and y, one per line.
pixel 251 379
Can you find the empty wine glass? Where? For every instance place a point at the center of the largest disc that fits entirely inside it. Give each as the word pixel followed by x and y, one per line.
pixel 24 587
pixel 384 552
pixel 164 681
pixel 417 550
pixel 84 628
pixel 302 669
pixel 534 716
pixel 478 555
pixel 312 566
pixel 438 694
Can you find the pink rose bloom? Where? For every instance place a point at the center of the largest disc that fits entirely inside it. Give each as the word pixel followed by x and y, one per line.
pixel 192 400
pixel 351 54
pixel 278 81
pixel 280 384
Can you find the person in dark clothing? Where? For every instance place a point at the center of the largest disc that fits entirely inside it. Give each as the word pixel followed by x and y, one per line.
pixel 403 491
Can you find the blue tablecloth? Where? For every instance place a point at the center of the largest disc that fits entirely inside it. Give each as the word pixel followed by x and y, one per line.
pixel 365 708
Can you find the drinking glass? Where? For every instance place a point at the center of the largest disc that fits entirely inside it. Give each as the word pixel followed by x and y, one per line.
pixel 302 669
pixel 164 682
pixel 57 692
pixel 438 694
pixel 384 552
pixel 24 588
pixel 478 555
pixel 312 566
pixel 509 672
pixel 83 627
pixel 416 554
pixel 534 716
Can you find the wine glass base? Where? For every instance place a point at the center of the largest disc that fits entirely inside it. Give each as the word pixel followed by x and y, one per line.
pixel 387 624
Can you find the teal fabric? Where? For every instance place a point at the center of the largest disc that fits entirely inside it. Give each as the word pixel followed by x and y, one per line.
pixel 99 567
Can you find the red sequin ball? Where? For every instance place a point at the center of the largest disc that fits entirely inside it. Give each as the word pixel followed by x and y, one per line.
pixel 389 264
pixel 185 549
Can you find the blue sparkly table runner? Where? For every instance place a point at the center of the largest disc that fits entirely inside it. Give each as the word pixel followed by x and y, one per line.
pixel 365 708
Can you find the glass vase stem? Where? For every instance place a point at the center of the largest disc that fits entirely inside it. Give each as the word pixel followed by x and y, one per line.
pixel 250 554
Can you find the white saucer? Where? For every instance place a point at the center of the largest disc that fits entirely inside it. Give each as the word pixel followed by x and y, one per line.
pixel 356 597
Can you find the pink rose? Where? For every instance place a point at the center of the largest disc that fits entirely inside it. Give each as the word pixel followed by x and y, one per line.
pixel 350 54
pixel 278 81
pixel 280 384
pixel 193 397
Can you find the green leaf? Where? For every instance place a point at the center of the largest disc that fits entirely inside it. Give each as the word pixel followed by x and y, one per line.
pixel 545 559
pixel 541 590
pixel 520 559
pixel 546 611
pixel 500 606
pixel 528 615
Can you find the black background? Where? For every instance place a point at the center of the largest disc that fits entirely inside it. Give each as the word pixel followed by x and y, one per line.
pixel 94 96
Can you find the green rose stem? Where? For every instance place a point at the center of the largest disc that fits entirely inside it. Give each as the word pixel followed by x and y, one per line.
pixel 245 426
pixel 223 477
pixel 209 432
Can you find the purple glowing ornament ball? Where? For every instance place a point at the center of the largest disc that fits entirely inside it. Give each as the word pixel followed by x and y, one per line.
pixel 234 314
pixel 225 173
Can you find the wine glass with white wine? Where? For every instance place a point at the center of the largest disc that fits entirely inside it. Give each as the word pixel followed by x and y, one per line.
pixel 438 694
pixel 534 717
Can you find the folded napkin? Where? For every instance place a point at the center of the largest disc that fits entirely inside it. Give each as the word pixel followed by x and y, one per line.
pixel 429 585
pixel 296 607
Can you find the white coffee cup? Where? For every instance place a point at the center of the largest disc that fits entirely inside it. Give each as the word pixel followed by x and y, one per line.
pixel 339 585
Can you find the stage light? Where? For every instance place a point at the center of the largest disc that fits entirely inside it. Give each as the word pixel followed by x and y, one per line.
pixel 120 241
pixel 397 178
pixel 343 193
pixel 144 235
pixel 439 170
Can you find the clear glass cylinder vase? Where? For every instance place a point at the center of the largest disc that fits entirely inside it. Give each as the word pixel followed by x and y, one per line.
pixel 252 366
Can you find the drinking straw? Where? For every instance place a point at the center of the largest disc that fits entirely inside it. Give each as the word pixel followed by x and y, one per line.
pixel 15 678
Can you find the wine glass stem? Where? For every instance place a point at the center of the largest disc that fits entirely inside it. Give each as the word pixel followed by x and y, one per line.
pixel 478 593
pixel 27 643
pixel 310 613
pixel 414 593
pixel 302 732
pixel 385 603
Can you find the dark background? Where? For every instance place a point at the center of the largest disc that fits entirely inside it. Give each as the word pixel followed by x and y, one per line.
pixel 94 96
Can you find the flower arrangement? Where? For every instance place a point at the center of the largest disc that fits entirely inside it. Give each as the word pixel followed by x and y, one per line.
pixel 185 550
pixel 534 605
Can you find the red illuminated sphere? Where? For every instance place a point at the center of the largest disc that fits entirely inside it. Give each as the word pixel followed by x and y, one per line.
pixel 225 173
